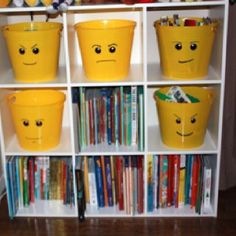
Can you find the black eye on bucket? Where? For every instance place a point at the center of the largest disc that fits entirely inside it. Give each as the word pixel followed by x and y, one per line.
pixel 112 49
pixel 39 123
pixel 22 51
pixel 35 50
pixel 193 46
pixel 178 120
pixel 98 50
pixel 26 123
pixel 178 46
pixel 193 120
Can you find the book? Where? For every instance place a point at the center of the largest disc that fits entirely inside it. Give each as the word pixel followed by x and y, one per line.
pixel 182 173
pixel 150 183
pixel 140 118
pixel 140 202
pixel 120 187
pixel 207 184
pixel 134 115
pixel 107 161
pixel 163 181
pixel 105 190
pixel 92 183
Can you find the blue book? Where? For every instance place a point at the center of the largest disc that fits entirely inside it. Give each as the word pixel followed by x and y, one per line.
pixel 189 159
pixel 107 161
pixel 9 190
pixel 99 181
pixel 150 183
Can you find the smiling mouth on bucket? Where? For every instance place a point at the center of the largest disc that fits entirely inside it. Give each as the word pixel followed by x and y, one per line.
pixel 30 64
pixel 186 61
pixel 185 135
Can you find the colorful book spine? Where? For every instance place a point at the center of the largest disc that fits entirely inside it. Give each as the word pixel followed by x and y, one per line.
pixel 99 181
pixel 150 183
pixel 108 179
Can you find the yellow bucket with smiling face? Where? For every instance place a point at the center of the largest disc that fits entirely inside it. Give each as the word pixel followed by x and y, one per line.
pixel 183 125
pixel 105 47
pixel 185 51
pixel 33 50
pixel 37 117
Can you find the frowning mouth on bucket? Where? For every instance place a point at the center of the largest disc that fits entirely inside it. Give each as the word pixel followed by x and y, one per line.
pixel 30 64
pixel 111 60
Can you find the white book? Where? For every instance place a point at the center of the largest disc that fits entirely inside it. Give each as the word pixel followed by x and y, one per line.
pixel 92 183
pixel 207 186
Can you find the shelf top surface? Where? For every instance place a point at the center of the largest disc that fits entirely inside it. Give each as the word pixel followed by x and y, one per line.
pixel 161 3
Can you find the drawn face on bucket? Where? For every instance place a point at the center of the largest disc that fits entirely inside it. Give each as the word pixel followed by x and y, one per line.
pixel 185 51
pixel 185 125
pixel 29 54
pixel 32 129
pixel 105 53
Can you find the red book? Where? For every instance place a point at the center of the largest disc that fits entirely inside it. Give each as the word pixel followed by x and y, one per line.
pixel 170 185
pixel 176 170
pixel 119 167
pixel 140 185
pixel 112 106
pixel 104 179
pixel 195 173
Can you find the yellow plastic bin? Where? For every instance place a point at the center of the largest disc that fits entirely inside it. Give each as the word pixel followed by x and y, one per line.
pixel 185 51
pixel 37 117
pixel 33 49
pixel 105 47
pixel 183 125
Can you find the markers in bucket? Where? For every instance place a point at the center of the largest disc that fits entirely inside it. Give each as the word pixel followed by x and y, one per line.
pixel 177 95
pixel 185 21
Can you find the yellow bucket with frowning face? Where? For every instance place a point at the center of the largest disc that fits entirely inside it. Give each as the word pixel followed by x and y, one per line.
pixel 34 50
pixel 37 117
pixel 105 47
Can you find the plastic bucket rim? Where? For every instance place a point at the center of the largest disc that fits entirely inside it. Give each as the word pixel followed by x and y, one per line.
pixel 209 97
pixel 60 100
pixel 81 25
pixel 7 28
pixel 156 23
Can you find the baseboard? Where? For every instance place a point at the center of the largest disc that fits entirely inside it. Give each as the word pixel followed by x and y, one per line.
pixel 2 184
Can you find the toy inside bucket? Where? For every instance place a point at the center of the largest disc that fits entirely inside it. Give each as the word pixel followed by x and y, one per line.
pixel 185 47
pixel 183 124
pixel 105 47
pixel 37 118
pixel 33 49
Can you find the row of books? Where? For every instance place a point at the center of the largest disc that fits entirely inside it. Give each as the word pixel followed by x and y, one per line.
pixel 112 115
pixel 178 180
pixel 38 178
pixel 114 181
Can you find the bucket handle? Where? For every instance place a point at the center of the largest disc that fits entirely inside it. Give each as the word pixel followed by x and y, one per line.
pixel 12 99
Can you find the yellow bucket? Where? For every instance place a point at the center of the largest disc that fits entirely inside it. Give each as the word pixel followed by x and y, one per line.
pixel 33 50
pixel 37 117
pixel 185 51
pixel 105 47
pixel 183 125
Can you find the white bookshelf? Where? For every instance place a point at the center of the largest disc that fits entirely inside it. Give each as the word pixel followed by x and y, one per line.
pixel 144 71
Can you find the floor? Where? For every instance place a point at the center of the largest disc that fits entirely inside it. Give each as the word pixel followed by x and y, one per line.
pixel 224 224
